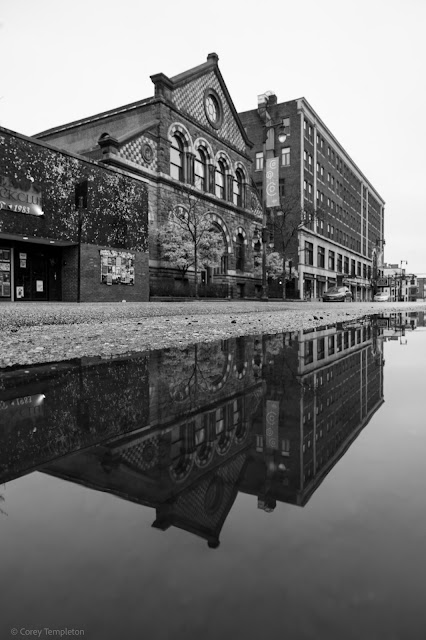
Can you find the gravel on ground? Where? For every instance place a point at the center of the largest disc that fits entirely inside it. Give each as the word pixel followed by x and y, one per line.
pixel 32 333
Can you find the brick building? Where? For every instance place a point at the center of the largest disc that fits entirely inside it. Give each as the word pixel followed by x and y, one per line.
pixel 71 229
pixel 187 144
pixel 341 233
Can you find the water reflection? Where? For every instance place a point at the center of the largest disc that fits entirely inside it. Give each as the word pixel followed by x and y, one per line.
pixel 184 430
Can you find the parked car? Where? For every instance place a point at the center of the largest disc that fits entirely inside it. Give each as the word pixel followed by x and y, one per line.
pixel 337 294
pixel 381 297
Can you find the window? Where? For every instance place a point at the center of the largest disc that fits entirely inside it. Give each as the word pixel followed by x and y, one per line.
pixel 238 188
pixel 331 260
pixel 259 161
pixel 330 345
pixel 353 267
pixel 285 156
pixel 339 262
pixel 220 180
pixel 285 447
pixel 309 253
pixel 346 265
pixel 176 158
pixel 5 271
pixel 286 125
pixel 239 253
pixel 358 268
pixel 200 170
pixel 309 352
pixel 321 348
pixel 321 257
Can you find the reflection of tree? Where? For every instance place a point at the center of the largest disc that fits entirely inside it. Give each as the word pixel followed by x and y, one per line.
pixel 199 367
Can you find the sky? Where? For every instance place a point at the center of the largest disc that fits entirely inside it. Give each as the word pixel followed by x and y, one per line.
pixel 360 64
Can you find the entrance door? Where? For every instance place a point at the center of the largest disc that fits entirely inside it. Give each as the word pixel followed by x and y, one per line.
pixel 37 273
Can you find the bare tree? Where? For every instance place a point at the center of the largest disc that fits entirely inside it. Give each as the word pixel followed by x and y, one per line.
pixel 286 221
pixel 189 238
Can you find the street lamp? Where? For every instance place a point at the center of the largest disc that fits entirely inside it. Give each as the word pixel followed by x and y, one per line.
pixel 270 183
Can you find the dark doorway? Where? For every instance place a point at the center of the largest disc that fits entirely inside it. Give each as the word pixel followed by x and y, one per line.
pixel 37 273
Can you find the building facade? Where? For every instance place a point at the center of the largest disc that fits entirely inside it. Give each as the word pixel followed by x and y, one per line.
pixel 397 284
pixel 187 144
pixel 71 229
pixel 341 234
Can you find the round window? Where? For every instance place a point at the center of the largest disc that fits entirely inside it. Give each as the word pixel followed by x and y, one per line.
pixel 213 108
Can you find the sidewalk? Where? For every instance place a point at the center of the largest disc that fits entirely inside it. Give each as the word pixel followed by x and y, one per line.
pixel 45 332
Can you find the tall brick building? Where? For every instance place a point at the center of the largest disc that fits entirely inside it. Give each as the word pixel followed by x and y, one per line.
pixel 341 235
pixel 185 142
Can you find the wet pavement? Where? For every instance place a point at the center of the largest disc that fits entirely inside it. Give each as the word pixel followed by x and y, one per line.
pixel 34 333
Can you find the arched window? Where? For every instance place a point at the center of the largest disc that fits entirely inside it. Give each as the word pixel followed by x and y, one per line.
pixel 200 170
pixel 176 158
pixel 220 180
pixel 238 188
pixel 239 253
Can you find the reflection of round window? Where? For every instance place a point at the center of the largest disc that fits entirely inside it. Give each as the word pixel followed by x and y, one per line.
pixel 213 108
pixel 214 495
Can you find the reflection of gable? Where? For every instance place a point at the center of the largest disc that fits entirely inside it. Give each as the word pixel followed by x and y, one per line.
pixel 202 508
pixel 199 506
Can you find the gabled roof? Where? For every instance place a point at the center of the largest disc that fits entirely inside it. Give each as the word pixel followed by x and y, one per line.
pixel 174 89
pixel 196 80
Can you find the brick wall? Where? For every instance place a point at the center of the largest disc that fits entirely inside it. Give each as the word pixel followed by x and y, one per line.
pixel 70 274
pixel 93 290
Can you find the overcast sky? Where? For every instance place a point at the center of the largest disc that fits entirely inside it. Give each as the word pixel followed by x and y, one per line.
pixel 360 64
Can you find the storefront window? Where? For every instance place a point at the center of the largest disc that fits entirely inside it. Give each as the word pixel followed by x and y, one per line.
pixel 5 271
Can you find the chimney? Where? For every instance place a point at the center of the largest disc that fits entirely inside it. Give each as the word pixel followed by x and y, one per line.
pixel 213 57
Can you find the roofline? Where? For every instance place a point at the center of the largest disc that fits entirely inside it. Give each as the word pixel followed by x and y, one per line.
pixel 98 116
pixel 302 102
pixel 176 81
pixel 64 152
pixel 210 65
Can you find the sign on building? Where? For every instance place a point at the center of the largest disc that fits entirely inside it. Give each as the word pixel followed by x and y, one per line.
pixel 272 183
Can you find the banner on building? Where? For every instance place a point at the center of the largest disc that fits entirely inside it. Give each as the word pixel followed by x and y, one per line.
pixel 271 424
pixel 272 183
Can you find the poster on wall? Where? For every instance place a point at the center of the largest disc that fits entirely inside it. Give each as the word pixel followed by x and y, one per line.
pixel 23 264
pixel 39 286
pixel 117 267
pixel 19 292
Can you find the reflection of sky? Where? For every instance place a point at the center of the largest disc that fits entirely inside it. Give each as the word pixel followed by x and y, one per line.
pixel 348 565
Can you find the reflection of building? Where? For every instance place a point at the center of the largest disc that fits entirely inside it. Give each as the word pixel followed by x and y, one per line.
pixel 394 326
pixel 322 390
pixel 343 215
pixel 183 430
pixel 55 409
pixel 187 463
